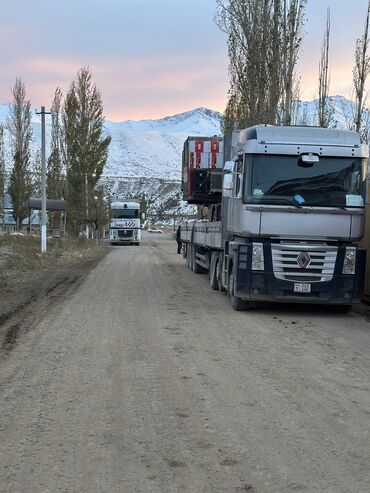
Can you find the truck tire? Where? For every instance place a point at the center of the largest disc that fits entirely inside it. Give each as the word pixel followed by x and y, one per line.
pixel 221 289
pixel 213 271
pixel 237 303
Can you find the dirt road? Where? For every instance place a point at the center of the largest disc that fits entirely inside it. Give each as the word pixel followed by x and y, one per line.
pixel 142 379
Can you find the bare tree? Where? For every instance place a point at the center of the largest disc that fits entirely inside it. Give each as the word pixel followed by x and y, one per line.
pixel 325 110
pixel 55 178
pixel 296 101
pixel 292 21
pixel 303 117
pixel 252 27
pixel 360 72
pixel 263 45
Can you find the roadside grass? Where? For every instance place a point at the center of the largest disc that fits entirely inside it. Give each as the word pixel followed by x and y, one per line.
pixel 20 255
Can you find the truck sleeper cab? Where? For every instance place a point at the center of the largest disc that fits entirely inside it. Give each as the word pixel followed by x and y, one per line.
pixel 124 224
pixel 292 216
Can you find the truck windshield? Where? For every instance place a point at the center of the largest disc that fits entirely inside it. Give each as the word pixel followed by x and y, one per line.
pixel 284 180
pixel 124 213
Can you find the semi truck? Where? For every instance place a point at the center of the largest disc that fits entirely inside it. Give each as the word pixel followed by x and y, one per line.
pixel 289 219
pixel 124 223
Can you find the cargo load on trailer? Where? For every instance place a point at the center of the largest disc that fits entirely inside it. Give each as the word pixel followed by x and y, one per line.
pixel 202 163
pixel 290 219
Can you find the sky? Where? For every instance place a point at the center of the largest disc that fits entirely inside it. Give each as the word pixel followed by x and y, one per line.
pixel 152 58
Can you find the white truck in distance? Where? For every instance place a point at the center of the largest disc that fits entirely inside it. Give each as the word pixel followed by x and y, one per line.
pixel 289 221
pixel 124 223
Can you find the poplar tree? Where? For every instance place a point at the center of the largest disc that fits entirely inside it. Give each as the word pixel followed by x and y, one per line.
pixel 252 27
pixel 85 149
pixel 36 174
pixel 292 13
pixel 325 110
pixel 2 174
pixel 55 178
pixel 360 73
pixel 19 125
pixel 99 212
pixel 143 206
pixel 264 38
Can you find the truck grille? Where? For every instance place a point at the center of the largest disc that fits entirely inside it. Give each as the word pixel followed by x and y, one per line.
pixel 125 233
pixel 303 263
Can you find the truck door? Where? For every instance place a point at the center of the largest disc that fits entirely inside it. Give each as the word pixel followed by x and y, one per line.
pixel 236 197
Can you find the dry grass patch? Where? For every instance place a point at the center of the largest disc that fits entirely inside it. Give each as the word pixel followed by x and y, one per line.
pixel 20 255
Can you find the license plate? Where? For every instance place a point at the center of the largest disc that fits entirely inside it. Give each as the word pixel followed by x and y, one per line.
pixel 302 287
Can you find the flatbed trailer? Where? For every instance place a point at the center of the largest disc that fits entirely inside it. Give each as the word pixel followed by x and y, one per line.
pixel 290 221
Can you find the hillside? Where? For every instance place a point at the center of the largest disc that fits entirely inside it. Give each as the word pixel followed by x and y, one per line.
pixel 145 156
pixel 152 148
pixel 147 148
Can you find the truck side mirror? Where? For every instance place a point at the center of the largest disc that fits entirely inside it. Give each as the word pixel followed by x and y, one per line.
pixel 227 185
pixel 229 166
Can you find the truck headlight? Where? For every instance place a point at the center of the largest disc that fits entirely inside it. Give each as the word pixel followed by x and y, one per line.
pixel 349 264
pixel 258 262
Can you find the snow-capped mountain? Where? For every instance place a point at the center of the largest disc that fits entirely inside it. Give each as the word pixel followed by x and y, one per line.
pixel 152 148
pixel 145 156
pixel 147 148
pixel 341 109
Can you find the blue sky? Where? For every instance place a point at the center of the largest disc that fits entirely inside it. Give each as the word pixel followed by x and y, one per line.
pixel 151 58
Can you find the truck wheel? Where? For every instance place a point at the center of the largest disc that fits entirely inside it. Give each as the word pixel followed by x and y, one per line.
pixel 237 303
pixel 213 275
pixel 219 277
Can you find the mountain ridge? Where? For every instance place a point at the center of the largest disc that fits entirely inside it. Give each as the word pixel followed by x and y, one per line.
pixel 152 147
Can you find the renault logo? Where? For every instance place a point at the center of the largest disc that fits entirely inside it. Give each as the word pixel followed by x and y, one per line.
pixel 303 260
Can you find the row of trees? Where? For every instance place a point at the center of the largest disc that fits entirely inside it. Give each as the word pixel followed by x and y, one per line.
pixel 264 41
pixel 264 38
pixel 78 153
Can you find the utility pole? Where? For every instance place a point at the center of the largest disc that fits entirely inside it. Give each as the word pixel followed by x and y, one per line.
pixel 43 179
pixel 87 206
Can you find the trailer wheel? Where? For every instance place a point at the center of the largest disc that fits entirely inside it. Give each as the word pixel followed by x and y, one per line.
pixel 213 271
pixel 237 303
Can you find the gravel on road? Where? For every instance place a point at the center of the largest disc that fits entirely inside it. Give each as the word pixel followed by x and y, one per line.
pixel 143 379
